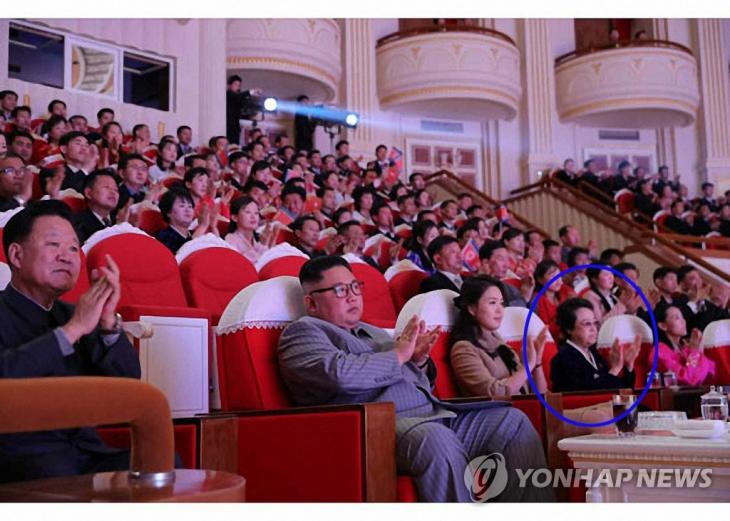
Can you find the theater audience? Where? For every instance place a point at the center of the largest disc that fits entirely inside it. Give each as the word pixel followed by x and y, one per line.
pixel 329 357
pixel 42 336
pixel 424 232
pixel 178 211
pixel 243 235
pixel 547 306
pixel 445 254
pixel 102 195
pixel 494 261
pixel 578 366
pixel 685 359
pixel 482 363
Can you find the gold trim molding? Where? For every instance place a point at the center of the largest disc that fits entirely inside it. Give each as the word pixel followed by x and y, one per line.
pixel 252 60
pixel 433 91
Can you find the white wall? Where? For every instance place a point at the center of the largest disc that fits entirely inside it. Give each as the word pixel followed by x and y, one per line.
pixel 177 39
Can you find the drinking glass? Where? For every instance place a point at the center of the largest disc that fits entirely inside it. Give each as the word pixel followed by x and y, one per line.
pixel 627 424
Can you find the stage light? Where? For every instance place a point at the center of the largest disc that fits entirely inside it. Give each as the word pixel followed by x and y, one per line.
pixel 270 104
pixel 352 119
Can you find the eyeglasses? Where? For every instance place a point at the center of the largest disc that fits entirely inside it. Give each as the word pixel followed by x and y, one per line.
pixel 11 170
pixel 588 323
pixel 342 290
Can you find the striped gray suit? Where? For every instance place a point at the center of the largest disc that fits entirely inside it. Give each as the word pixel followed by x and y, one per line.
pixel 321 363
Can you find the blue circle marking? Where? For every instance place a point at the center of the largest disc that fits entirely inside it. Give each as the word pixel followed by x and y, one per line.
pixel 647 385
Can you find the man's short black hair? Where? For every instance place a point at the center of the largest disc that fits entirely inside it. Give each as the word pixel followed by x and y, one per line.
pixel 77 116
pixel 294 189
pixel 189 160
pixel 126 158
pixel 623 267
pixel 511 233
pixel 253 183
pixel 213 142
pixel 567 313
pixel 54 102
pixel 608 253
pixel 195 172
pixel 423 213
pixel 138 126
pixel 403 198
pixel 436 245
pixel 414 174
pixel 181 128
pixel 379 147
pixel 322 189
pixel 342 228
pixel 473 208
pixel 446 203
pixel 573 254
pixel 233 78
pixel 684 271
pixel 340 143
pixel 298 223
pixel 105 110
pixel 91 179
pixel 68 136
pixel 235 156
pixel 5 93
pixel 20 108
pixel 549 243
pixel 313 270
pixel 661 272
pixel 168 200
pixel 259 166
pixel 20 225
pixel 469 225
pixel 663 168
pixel 19 133
pixel 563 231
pixel 488 248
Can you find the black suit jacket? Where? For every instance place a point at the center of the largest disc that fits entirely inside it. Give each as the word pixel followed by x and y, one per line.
pixel 29 348
pixel 437 281
pixel 8 203
pixel 677 225
pixel 87 224
pixel 570 371
pixel 73 180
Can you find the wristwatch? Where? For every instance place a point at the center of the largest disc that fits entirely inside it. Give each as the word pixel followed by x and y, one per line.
pixel 117 326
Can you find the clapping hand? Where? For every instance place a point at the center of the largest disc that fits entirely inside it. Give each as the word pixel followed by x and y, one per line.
pixel 616 358
pixel 695 339
pixel 631 352
pixel 405 344
pixel 424 344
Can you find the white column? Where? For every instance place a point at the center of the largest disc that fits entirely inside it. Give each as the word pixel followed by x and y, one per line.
pixel 713 62
pixel 666 138
pixel 360 84
pixel 212 79
pixel 539 97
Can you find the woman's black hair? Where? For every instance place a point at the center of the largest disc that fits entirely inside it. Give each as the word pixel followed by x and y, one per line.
pixel 566 314
pixel 466 326
pixel 236 205
pixel 542 269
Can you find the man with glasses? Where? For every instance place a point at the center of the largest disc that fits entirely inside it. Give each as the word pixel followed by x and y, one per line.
pixel 578 366
pixel 13 175
pixel 330 357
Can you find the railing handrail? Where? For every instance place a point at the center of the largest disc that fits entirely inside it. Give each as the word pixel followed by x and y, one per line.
pixel 443 29
pixel 622 44
pixel 450 176
pixel 639 236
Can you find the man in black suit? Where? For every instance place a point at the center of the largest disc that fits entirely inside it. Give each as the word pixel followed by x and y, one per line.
pixel 578 366
pixel 303 125
pixel 646 199
pixel 184 140
pixel 708 192
pixel 694 302
pixel 12 175
pixel 75 150
pixel 445 254
pixel 381 163
pixel 42 336
pixel 674 222
pixel 102 195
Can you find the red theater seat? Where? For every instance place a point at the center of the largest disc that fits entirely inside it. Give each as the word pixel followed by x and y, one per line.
pixel 320 453
pixel 404 285
pixel 624 199
pixel 283 266
pixel 213 276
pixel 82 283
pixel 716 341
pixel 378 306
pixel 186 441
pixel 151 221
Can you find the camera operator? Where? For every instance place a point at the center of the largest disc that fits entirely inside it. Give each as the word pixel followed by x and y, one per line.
pixel 304 126
pixel 236 101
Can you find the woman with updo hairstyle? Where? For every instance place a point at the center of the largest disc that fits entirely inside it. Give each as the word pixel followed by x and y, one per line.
pixel 482 363
pixel 423 233
pixel 242 234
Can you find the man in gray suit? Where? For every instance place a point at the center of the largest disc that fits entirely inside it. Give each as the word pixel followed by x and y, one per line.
pixel 331 357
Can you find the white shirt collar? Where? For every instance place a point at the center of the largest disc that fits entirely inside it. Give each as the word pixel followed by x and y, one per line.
pixel 455 278
pixel 586 354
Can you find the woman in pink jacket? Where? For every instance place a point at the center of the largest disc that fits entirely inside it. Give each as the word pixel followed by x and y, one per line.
pixel 684 358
